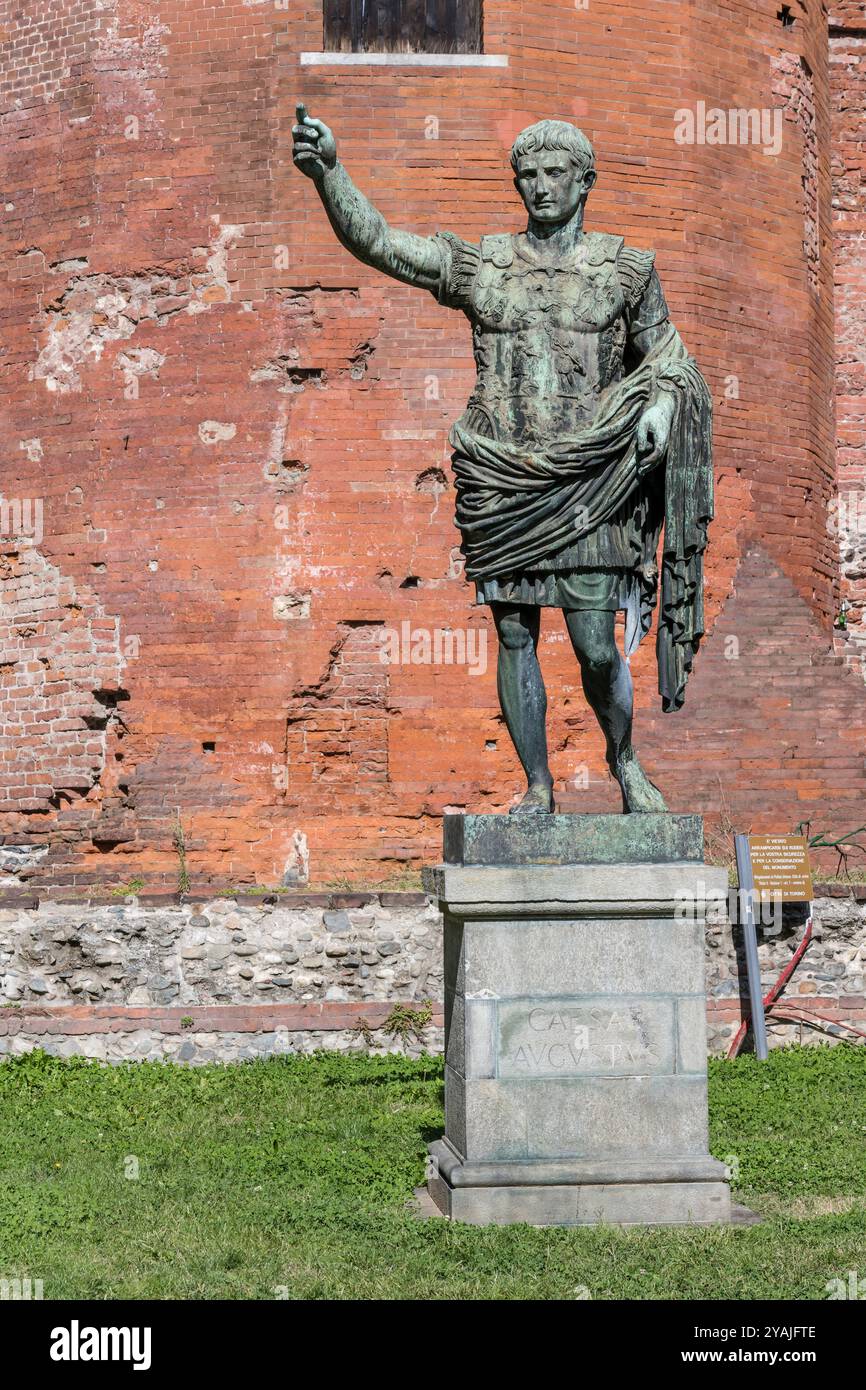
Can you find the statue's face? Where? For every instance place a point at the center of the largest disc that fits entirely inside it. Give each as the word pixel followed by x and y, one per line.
pixel 551 185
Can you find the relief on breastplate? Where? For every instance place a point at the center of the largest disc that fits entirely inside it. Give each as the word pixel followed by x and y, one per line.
pixel 547 338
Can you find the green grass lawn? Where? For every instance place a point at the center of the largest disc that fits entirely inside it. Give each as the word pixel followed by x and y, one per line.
pixel 291 1177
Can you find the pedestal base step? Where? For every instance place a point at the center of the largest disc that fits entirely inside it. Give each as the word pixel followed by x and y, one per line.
pixel 586 1204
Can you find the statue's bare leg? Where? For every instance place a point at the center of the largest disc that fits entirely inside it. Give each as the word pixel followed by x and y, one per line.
pixel 608 688
pixel 523 700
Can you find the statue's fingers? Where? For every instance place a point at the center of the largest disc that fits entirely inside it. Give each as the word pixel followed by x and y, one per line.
pixel 319 126
pixel 304 132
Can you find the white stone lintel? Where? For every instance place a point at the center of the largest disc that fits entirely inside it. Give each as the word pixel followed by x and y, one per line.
pixel 404 60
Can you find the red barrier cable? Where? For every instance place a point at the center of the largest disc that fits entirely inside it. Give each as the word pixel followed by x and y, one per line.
pixel 804 1016
pixel 777 988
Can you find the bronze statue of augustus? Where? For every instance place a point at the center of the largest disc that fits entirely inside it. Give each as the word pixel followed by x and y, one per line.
pixel 588 435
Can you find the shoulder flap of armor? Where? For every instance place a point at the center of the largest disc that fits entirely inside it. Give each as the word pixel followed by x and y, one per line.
pixel 634 268
pixel 498 249
pixel 602 246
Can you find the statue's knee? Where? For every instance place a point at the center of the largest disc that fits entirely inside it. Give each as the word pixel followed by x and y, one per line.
pixel 600 661
pixel 514 635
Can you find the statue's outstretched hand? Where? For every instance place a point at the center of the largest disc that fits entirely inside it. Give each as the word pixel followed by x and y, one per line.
pixel 653 432
pixel 315 148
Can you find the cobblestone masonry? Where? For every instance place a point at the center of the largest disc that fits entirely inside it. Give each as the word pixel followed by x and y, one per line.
pixel 227 979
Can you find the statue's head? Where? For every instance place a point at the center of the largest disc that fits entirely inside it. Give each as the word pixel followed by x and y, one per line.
pixel 554 169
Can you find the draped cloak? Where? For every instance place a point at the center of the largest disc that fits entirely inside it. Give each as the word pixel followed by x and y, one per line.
pixel 516 506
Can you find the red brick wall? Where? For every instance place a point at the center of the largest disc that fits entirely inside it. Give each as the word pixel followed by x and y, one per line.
pixel 237 432
pixel 848 88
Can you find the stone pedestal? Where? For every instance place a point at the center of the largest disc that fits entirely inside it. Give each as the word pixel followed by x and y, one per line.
pixel 576 1059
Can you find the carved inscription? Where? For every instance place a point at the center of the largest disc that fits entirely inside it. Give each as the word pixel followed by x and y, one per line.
pixel 573 1037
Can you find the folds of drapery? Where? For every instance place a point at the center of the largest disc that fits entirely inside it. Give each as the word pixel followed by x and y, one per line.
pixel 516 507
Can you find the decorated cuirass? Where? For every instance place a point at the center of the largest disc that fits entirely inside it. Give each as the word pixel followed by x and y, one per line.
pixel 548 338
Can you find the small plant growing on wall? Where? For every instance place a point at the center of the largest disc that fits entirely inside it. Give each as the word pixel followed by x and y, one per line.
pixel 127 890
pixel 179 842
pixel 844 845
pixel 404 1022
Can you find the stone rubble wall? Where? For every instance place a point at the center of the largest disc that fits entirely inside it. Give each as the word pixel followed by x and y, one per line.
pixel 198 1047
pixel 220 951
pixel 829 981
pixel 226 980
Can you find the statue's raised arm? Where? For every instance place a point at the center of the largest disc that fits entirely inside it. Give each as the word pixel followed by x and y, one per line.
pixel 358 224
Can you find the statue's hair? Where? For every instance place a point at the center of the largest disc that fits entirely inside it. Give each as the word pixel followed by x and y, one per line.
pixel 554 135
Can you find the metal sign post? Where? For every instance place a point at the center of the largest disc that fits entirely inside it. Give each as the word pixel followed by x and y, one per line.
pixel 750 937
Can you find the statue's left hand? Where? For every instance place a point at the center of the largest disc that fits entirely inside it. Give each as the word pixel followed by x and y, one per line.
pixel 653 432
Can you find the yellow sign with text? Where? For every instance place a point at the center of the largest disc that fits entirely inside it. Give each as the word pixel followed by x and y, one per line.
pixel 780 868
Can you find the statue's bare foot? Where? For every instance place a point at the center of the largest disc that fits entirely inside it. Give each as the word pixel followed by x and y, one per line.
pixel 538 801
pixel 639 794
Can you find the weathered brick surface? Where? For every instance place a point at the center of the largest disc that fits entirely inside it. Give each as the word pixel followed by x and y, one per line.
pixel 774 728
pixel 238 433
pixel 327 1017
pixel 848 88
pixel 61 667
